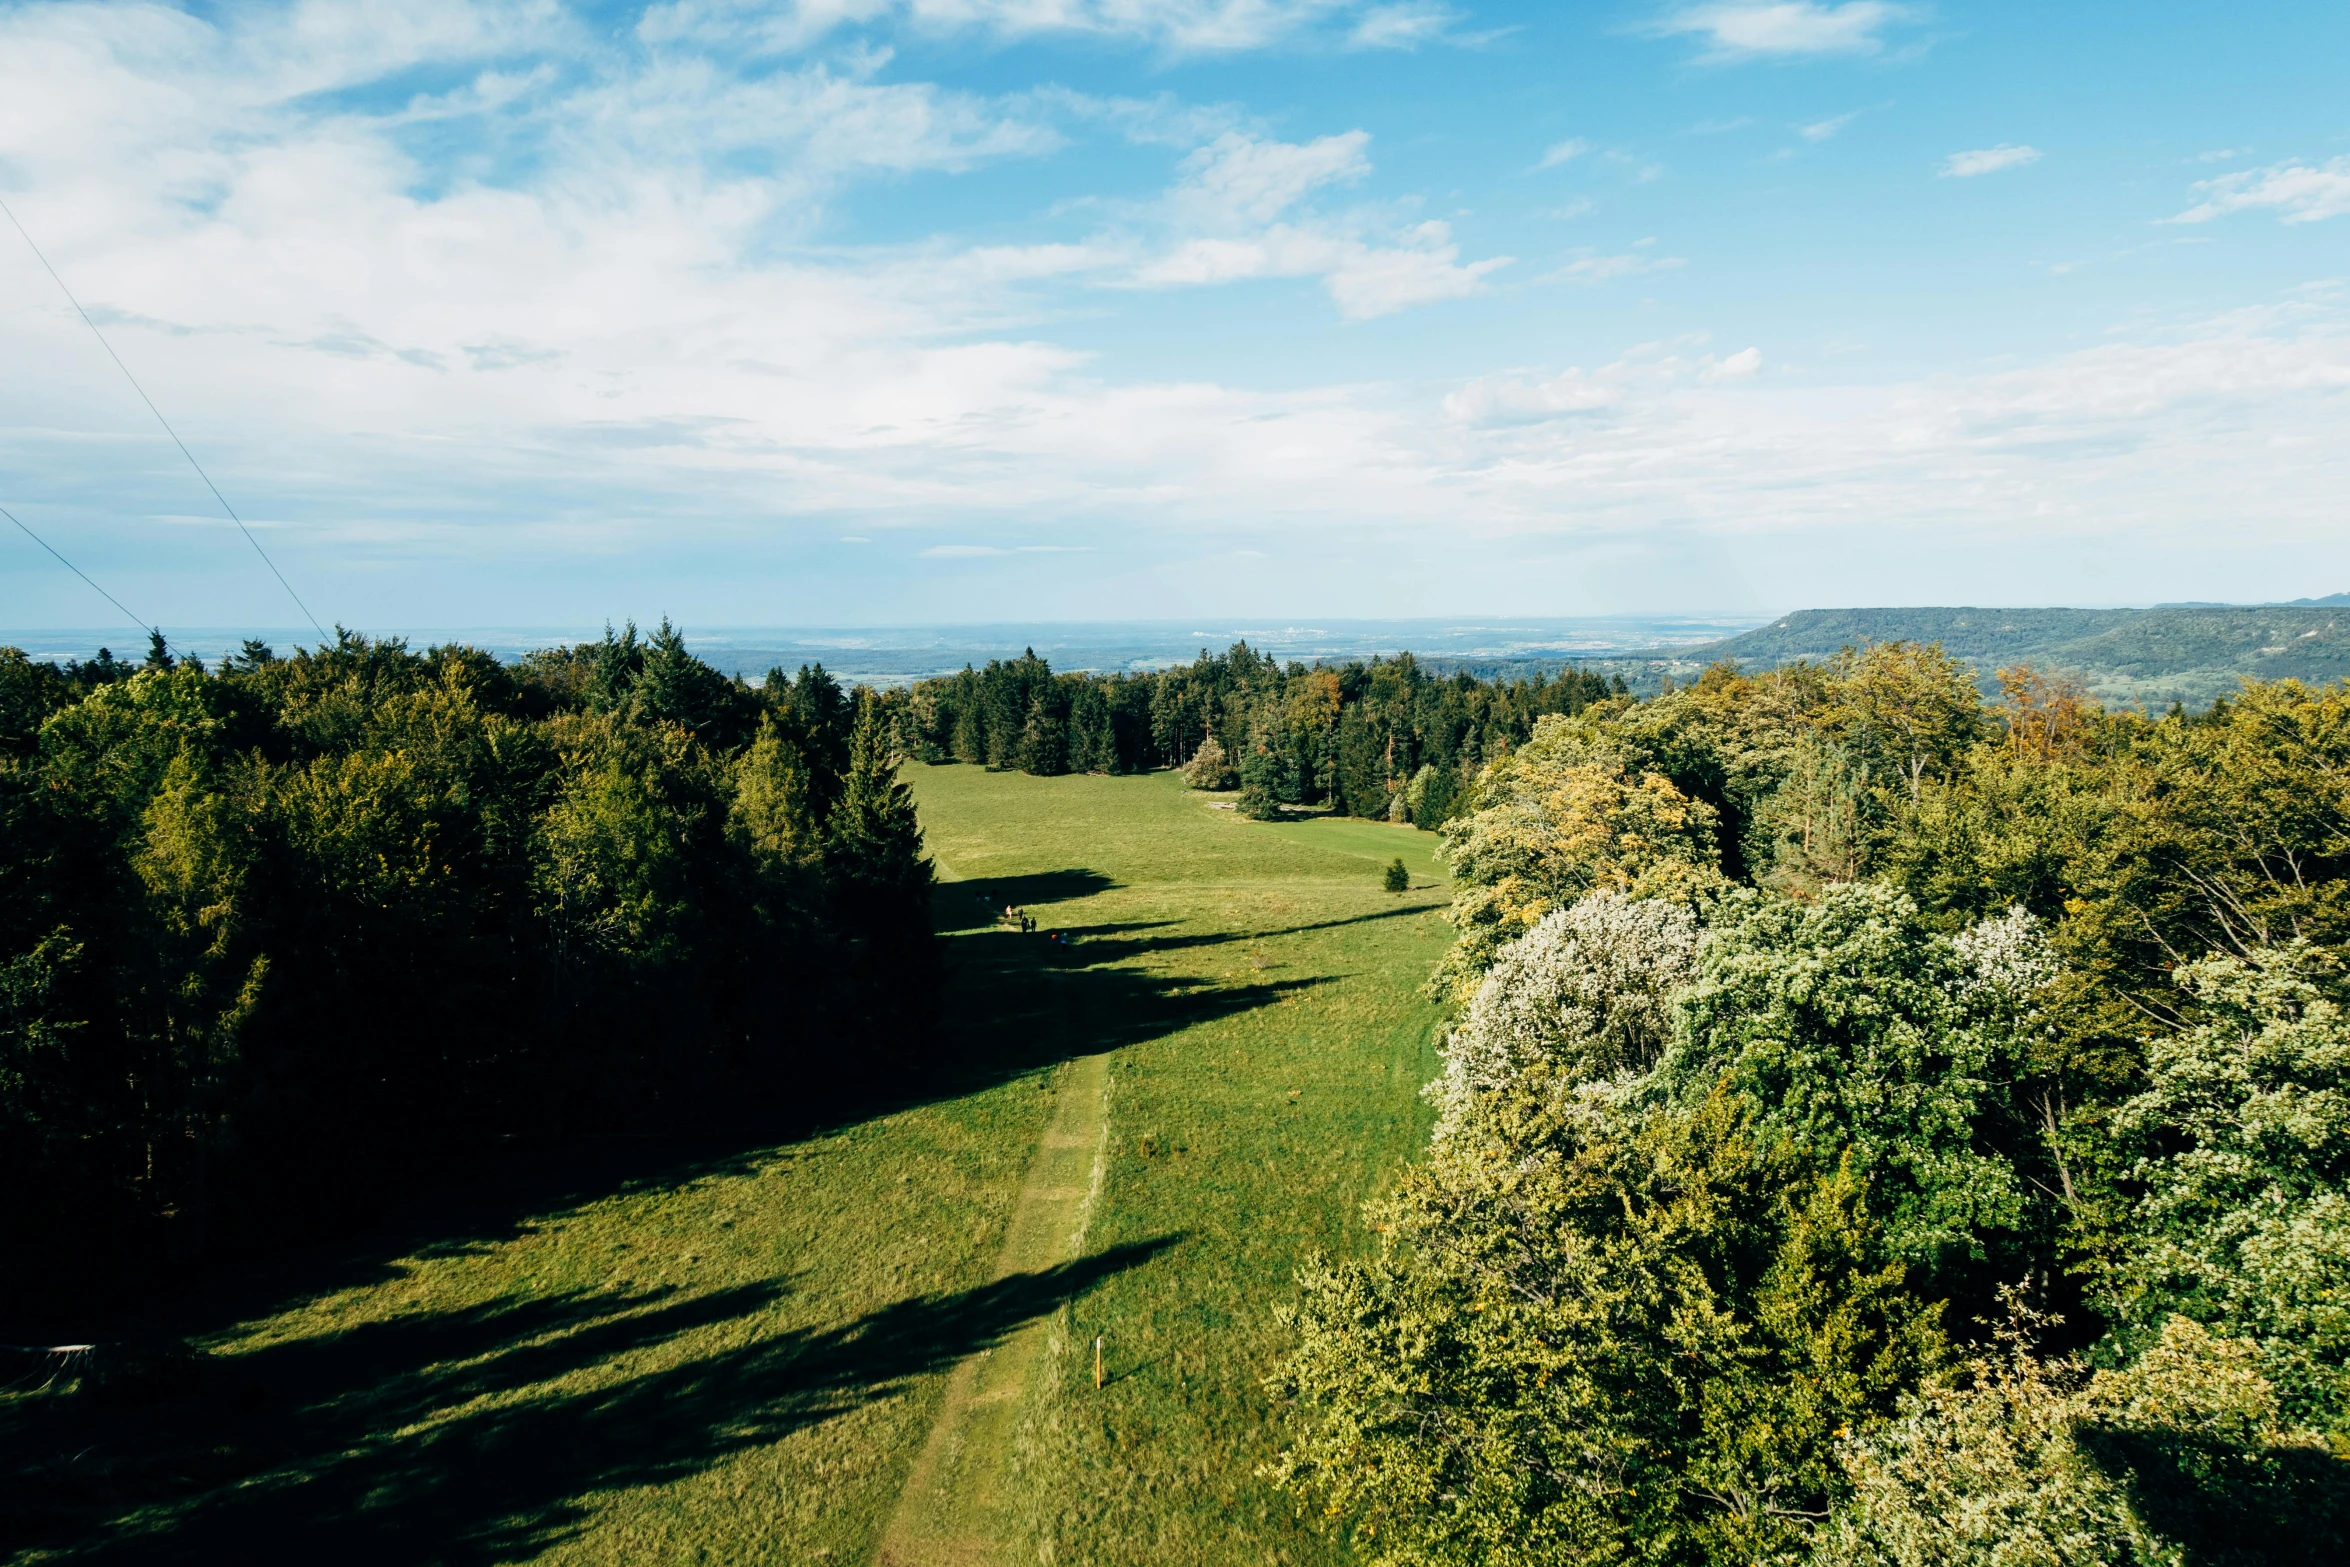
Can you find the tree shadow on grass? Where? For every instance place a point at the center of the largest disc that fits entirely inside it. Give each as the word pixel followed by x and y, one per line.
pixel 472 1436
pixel 1112 943
pixel 321 1449
pixel 970 905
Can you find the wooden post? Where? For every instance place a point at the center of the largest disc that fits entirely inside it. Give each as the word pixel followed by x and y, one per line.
pixel 1097 1362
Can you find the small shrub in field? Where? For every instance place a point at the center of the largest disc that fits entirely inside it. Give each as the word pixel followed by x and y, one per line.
pixel 1397 878
pixel 1210 767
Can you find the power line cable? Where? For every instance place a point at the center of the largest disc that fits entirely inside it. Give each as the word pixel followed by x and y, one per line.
pixel 77 571
pixel 167 429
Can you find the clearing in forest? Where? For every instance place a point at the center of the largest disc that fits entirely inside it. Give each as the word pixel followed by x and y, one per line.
pixel 875 1339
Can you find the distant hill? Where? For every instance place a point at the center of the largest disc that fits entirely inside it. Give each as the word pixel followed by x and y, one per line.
pixel 2182 653
pixel 2328 600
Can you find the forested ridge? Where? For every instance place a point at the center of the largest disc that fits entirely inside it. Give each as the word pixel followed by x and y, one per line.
pixel 1878 1126
pixel 276 938
pixel 2184 653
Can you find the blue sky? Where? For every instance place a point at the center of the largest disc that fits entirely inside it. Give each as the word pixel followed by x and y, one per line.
pixel 871 311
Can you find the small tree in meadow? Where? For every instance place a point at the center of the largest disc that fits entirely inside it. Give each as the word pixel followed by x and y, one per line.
pixel 1209 767
pixel 1398 879
pixel 1260 786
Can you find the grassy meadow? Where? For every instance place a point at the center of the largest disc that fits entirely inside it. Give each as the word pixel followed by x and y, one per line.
pixel 732 1346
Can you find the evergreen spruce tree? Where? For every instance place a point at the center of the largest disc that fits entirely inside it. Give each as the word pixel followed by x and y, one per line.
pixel 880 883
pixel 1044 739
pixel 875 839
pixel 1260 785
pixel 970 737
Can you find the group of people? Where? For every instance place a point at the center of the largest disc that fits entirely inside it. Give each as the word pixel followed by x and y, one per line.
pixel 1023 922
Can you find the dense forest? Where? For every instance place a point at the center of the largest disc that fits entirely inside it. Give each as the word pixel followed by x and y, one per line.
pixel 1382 739
pixel 1877 1126
pixel 277 936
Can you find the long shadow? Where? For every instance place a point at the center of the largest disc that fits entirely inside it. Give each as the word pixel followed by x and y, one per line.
pixel 1126 946
pixel 967 905
pixel 447 1436
pixel 1015 1005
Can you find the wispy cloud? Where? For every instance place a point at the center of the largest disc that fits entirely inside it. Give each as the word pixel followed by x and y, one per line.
pixel 1402 26
pixel 1786 29
pixel 1600 269
pixel 1241 179
pixel 1173 27
pixel 2296 192
pixel 1740 366
pixel 1821 130
pixel 1563 152
pixel 1231 219
pixel 1988 160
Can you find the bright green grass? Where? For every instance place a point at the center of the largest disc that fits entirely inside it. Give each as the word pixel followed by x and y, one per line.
pixel 732 1352
pixel 1253 1135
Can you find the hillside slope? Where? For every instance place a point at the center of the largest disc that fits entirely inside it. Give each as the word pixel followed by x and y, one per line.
pixel 2154 656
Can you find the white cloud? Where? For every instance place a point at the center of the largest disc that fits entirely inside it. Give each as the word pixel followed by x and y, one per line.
pixel 1821 130
pixel 1496 400
pixel 2297 192
pixel 1228 216
pixel 1563 152
pixel 1599 269
pixel 1988 160
pixel 1787 29
pixel 1238 179
pixel 1740 366
pixel 1403 26
pixel 1179 27
pixel 1365 280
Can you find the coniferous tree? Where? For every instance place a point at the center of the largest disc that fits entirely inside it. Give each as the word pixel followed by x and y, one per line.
pixel 875 837
pixel 881 883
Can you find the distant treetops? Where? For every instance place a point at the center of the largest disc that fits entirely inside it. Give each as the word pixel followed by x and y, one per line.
pixel 1876 1128
pixel 1383 739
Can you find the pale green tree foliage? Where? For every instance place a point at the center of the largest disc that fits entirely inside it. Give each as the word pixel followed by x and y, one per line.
pixel 1598 1334
pixel 615 855
pixel 1985 1469
pixel 1562 816
pixel 1589 991
pixel 1847 1024
pixel 2019 1460
pixel 2242 1155
pixel 1908 709
pixel 776 812
pixel 1210 767
pixel 1813 829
